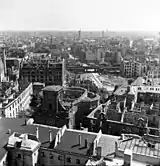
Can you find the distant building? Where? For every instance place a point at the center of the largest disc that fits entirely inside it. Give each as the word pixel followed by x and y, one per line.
pixel 46 71
pixel 133 69
pixel 102 34
pixel 91 56
pixel 100 54
pixel 13 62
pixel 37 87
pixel 148 94
pixel 3 69
pixel 153 73
pixel 113 57
pixel 2 75
pixel 79 35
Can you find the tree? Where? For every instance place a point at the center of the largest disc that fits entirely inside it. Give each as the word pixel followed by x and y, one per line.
pixel 26 113
pixel 36 101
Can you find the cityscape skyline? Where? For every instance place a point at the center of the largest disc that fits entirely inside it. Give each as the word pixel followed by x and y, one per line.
pixel 87 15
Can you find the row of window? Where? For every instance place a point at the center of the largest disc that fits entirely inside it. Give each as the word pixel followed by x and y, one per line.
pixel 42 78
pixel 60 158
pixel 153 89
pixel 153 72
pixel 40 72
pixel 155 76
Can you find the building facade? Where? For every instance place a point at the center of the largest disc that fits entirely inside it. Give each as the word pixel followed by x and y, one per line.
pixel 43 71
pixel 48 146
pixel 132 69
pixel 22 149
pixel 153 73
pixel 10 108
pixel 56 147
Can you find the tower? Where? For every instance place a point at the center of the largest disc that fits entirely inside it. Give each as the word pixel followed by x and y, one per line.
pixel 79 35
pixel 102 34
pixel 51 98
pixel 3 56
pixel 51 39
pixel 3 69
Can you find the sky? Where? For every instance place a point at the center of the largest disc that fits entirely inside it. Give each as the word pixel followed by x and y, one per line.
pixel 80 14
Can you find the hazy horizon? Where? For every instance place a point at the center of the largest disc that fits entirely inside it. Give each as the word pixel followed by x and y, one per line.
pixel 74 30
pixel 72 15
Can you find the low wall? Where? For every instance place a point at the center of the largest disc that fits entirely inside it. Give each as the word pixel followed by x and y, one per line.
pixel 141 158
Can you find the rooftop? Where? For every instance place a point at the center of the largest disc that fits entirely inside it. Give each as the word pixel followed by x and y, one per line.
pixel 72 145
pixel 114 162
pixel 52 88
pixel 18 125
pixel 121 90
pixel 139 82
pixel 23 141
pixel 140 146
pixel 38 83
pixel 108 144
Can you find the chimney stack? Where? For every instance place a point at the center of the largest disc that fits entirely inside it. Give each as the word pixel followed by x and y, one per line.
pixel 86 143
pixel 25 137
pixel 127 157
pixel 9 131
pixel 122 136
pixel 25 122
pixel 59 138
pixel 50 136
pixel 99 152
pixel 37 132
pixel 79 139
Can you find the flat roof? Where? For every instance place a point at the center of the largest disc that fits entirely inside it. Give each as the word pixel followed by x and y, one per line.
pixel 72 145
pixel 38 83
pixel 52 88
pixel 139 146
pixel 18 125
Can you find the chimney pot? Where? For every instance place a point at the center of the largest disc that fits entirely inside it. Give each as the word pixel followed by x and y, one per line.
pixel 80 139
pixel 86 143
pixel 50 136
pixel 128 157
pixel 25 137
pixel 9 131
pixel 25 122
pixel 122 136
pixel 37 132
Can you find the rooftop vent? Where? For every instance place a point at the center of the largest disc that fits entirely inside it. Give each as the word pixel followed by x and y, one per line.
pixel 86 143
pixel 9 131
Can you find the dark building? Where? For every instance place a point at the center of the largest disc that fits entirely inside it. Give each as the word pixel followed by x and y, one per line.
pixel 46 71
pixel 66 106
pixel 54 111
pixel 148 97
pixel 37 87
pixel 85 107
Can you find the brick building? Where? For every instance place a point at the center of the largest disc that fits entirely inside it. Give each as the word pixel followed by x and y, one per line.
pixel 46 71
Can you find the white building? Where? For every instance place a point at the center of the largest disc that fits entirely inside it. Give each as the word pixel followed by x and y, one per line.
pixel 132 69
pixel 22 149
pixel 50 146
pixel 10 108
